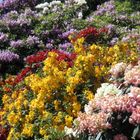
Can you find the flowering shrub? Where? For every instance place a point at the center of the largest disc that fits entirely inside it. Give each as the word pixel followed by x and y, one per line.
pixel 31 26
pixel 92 35
pixel 119 16
pixel 25 30
pixel 35 62
pixel 49 99
pixel 62 54
pixel 110 115
pixel 7 56
pixel 8 5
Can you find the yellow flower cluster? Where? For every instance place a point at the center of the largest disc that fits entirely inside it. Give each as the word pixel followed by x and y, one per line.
pixel 51 99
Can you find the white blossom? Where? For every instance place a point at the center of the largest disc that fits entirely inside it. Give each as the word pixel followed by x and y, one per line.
pixel 107 89
pixel 80 2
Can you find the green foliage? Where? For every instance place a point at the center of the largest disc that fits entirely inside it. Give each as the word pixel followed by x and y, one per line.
pixel 127 5
pixel 124 6
pixel 79 24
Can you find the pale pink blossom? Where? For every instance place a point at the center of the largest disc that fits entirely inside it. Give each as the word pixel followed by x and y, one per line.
pixel 92 123
pixel 135 93
pixel 118 69
pixel 133 76
pixel 135 117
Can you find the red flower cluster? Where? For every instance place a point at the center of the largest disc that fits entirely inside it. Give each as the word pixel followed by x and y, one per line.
pixel 90 31
pixel 22 74
pixel 39 57
pixel 66 57
pixel 35 61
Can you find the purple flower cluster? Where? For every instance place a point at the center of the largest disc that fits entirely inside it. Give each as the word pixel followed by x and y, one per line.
pixel 106 8
pixel 8 5
pixel 32 40
pixel 8 56
pixel 13 19
pixel 17 44
pixel 65 46
pixel 66 34
pixel 62 42
pixel 3 37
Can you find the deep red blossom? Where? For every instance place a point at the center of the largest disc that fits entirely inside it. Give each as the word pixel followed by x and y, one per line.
pixel 103 30
pixel 22 74
pixel 35 61
pixel 39 57
pixel 66 57
pixel 90 31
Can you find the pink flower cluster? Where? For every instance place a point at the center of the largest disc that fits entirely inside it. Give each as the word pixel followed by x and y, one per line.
pixel 99 111
pixel 92 123
pixel 135 93
pixel 118 69
pixel 116 104
pixel 133 76
pixel 135 117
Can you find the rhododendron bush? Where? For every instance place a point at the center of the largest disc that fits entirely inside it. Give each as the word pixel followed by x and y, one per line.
pixel 115 107
pixel 69 70
pixel 49 98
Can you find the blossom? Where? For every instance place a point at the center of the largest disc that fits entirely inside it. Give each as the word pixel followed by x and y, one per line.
pixel 65 46
pixel 68 120
pixel 3 37
pixel 42 5
pixel 118 69
pixel 116 103
pixel 114 41
pixel 107 89
pixel 17 44
pixel 89 108
pixel 70 131
pixel 133 76
pixel 22 74
pixel 135 117
pixel 39 57
pixel 28 130
pixel 8 56
pixel 92 123
pixel 80 2
pixel 32 40
pixel 106 8
pixel 66 34
pixel 134 92
pixel 55 2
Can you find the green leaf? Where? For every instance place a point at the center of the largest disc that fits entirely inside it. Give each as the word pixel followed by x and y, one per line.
pixel 99 136
pixel 135 132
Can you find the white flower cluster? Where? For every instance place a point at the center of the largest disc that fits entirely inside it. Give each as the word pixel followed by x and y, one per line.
pixel 88 108
pixel 70 132
pixel 104 90
pixel 42 5
pixel 47 6
pixel 107 89
pixel 80 2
